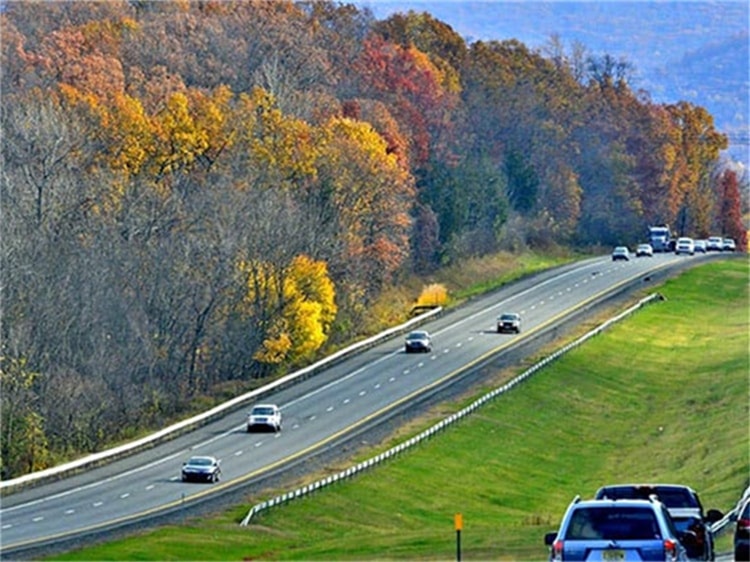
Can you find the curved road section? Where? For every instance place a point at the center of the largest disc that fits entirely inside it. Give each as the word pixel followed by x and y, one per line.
pixel 318 412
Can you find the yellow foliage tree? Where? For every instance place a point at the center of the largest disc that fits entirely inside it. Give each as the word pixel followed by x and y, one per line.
pixel 434 294
pixel 283 147
pixel 179 140
pixel 299 315
pixel 130 134
pixel 373 194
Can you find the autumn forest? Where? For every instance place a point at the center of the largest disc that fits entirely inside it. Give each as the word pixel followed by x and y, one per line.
pixel 197 194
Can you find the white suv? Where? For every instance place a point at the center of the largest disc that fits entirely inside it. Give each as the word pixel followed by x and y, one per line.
pixel 264 417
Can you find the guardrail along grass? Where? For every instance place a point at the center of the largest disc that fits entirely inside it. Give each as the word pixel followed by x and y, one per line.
pixel 663 396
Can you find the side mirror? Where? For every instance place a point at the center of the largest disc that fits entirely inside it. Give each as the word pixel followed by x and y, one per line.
pixel 714 515
pixel 549 538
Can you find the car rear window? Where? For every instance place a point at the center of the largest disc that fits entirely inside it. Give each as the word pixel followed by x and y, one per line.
pixel 612 523
pixel 671 497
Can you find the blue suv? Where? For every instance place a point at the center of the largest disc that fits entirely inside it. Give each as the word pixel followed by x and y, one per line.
pixel 617 530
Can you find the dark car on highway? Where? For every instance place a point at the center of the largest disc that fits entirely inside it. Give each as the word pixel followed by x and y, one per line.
pixel 201 469
pixel 684 506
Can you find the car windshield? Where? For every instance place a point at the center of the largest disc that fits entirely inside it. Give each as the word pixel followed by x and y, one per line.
pixel 508 317
pixel 263 411
pixel 417 336
pixel 200 462
pixel 613 523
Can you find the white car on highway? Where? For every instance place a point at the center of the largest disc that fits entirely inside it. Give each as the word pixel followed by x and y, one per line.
pixel 264 417
pixel 684 246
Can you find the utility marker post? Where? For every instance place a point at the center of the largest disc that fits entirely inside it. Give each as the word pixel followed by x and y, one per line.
pixel 458 523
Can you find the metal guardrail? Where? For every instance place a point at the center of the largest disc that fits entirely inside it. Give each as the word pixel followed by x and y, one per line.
pixel 180 428
pixel 450 420
pixel 724 524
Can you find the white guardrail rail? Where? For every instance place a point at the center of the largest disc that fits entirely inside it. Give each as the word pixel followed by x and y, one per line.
pixel 450 420
pixel 724 524
pixel 103 457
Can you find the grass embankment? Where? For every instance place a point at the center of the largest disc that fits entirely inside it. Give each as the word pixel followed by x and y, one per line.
pixel 662 396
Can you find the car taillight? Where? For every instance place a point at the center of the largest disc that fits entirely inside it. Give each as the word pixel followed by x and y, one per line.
pixel 670 549
pixel 743 524
pixel 557 550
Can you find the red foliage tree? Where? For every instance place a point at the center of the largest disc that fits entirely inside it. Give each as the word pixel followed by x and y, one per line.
pixel 729 217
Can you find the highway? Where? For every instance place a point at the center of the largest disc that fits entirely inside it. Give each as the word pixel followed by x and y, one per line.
pixel 318 412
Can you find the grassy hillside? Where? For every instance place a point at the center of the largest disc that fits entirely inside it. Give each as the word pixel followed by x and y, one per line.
pixel 662 396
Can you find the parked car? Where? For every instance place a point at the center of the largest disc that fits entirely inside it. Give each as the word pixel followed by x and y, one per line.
pixel 728 245
pixel 700 246
pixel 509 322
pixel 715 244
pixel 617 530
pixel 742 533
pixel 684 506
pixel 684 246
pixel 203 469
pixel 264 417
pixel 644 250
pixel 621 253
pixel 418 341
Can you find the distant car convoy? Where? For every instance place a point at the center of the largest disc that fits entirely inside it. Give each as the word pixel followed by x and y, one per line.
pixel 660 240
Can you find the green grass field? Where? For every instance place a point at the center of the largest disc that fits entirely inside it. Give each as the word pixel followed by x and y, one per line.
pixel 662 397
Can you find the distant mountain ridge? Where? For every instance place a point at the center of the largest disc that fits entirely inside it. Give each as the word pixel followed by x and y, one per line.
pixel 692 51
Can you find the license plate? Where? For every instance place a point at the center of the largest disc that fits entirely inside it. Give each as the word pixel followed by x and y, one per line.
pixel 612 555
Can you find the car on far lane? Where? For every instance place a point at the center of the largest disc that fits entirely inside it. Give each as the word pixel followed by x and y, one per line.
pixel 509 322
pixel 418 341
pixel 728 245
pixel 700 246
pixel 201 469
pixel 684 245
pixel 644 250
pixel 715 244
pixel 264 417
pixel 621 253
